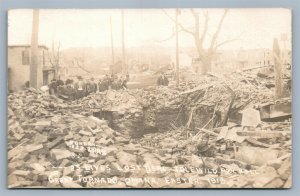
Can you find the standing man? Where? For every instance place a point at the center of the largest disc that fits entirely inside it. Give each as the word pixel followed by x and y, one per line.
pixel 88 87
pixel 69 91
pixel 53 87
pixel 80 88
pixel 60 82
pixel 93 86
pixel 101 85
pixel 111 81
pixel 105 82
pixel 127 77
pixel 124 83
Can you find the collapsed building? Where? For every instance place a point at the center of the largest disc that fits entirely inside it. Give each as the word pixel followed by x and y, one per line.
pixel 209 132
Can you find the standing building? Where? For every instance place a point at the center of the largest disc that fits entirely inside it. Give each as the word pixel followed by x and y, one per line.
pixel 19 66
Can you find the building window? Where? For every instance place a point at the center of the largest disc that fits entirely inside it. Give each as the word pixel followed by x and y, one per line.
pixel 25 57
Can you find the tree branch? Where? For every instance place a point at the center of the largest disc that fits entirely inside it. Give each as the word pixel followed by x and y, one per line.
pixel 225 42
pixel 180 25
pixel 205 29
pixel 167 39
pixel 215 36
pixel 81 67
pixel 50 59
pixel 197 34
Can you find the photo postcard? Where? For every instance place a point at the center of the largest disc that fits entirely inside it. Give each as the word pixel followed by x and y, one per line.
pixel 149 98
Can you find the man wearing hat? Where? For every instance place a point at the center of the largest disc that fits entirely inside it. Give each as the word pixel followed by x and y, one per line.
pixel 80 88
pixel 93 85
pixel 53 87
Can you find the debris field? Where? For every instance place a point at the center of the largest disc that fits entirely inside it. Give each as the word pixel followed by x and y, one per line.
pixel 209 132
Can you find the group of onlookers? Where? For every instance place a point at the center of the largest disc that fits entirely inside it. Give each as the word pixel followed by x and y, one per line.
pixel 72 90
pixel 162 80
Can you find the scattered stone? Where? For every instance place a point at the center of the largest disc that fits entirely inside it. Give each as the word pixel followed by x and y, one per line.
pixel 170 163
pixel 255 155
pixel 59 154
pixel 38 167
pixel 285 170
pixel 251 117
pixel 82 132
pixel 31 148
pixel 265 176
pixel 54 143
pixel 275 163
pixel 21 173
pixel 288 184
pixel 35 119
pixel 276 183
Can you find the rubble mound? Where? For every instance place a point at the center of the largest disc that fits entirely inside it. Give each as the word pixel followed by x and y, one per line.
pixel 197 141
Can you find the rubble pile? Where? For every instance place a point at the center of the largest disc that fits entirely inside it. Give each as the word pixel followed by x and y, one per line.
pixel 126 112
pixel 136 110
pixel 223 96
pixel 140 111
pixel 243 158
pixel 32 103
pixel 246 88
pixel 197 140
pixel 160 105
pixel 51 145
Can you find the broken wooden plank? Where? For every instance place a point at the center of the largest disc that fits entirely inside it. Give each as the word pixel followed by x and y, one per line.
pixel 263 134
pixel 55 142
pixel 43 123
pixel 257 143
pixel 21 172
pixel 276 112
pixel 207 131
pixel 202 87
pixel 233 96
pixel 83 132
pixel 16 150
pixel 33 147
pixel 59 154
pixel 230 134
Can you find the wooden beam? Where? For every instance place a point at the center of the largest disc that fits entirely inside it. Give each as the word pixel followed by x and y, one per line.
pixel 35 80
pixel 278 70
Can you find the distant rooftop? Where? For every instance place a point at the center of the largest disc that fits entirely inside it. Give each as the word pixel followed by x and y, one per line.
pixel 27 46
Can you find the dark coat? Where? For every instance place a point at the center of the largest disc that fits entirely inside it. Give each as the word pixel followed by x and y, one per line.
pixel 162 81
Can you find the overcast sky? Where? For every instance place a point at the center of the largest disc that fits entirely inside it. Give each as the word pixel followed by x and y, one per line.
pixel 255 28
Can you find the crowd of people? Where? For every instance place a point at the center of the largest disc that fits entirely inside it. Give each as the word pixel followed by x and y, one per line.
pixel 72 90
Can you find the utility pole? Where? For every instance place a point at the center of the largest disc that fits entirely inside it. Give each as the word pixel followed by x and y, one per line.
pixel 278 70
pixel 177 48
pixel 35 80
pixel 112 45
pixel 124 68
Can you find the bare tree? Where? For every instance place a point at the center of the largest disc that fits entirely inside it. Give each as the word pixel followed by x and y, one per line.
pixel 205 55
pixel 54 58
pixel 79 62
